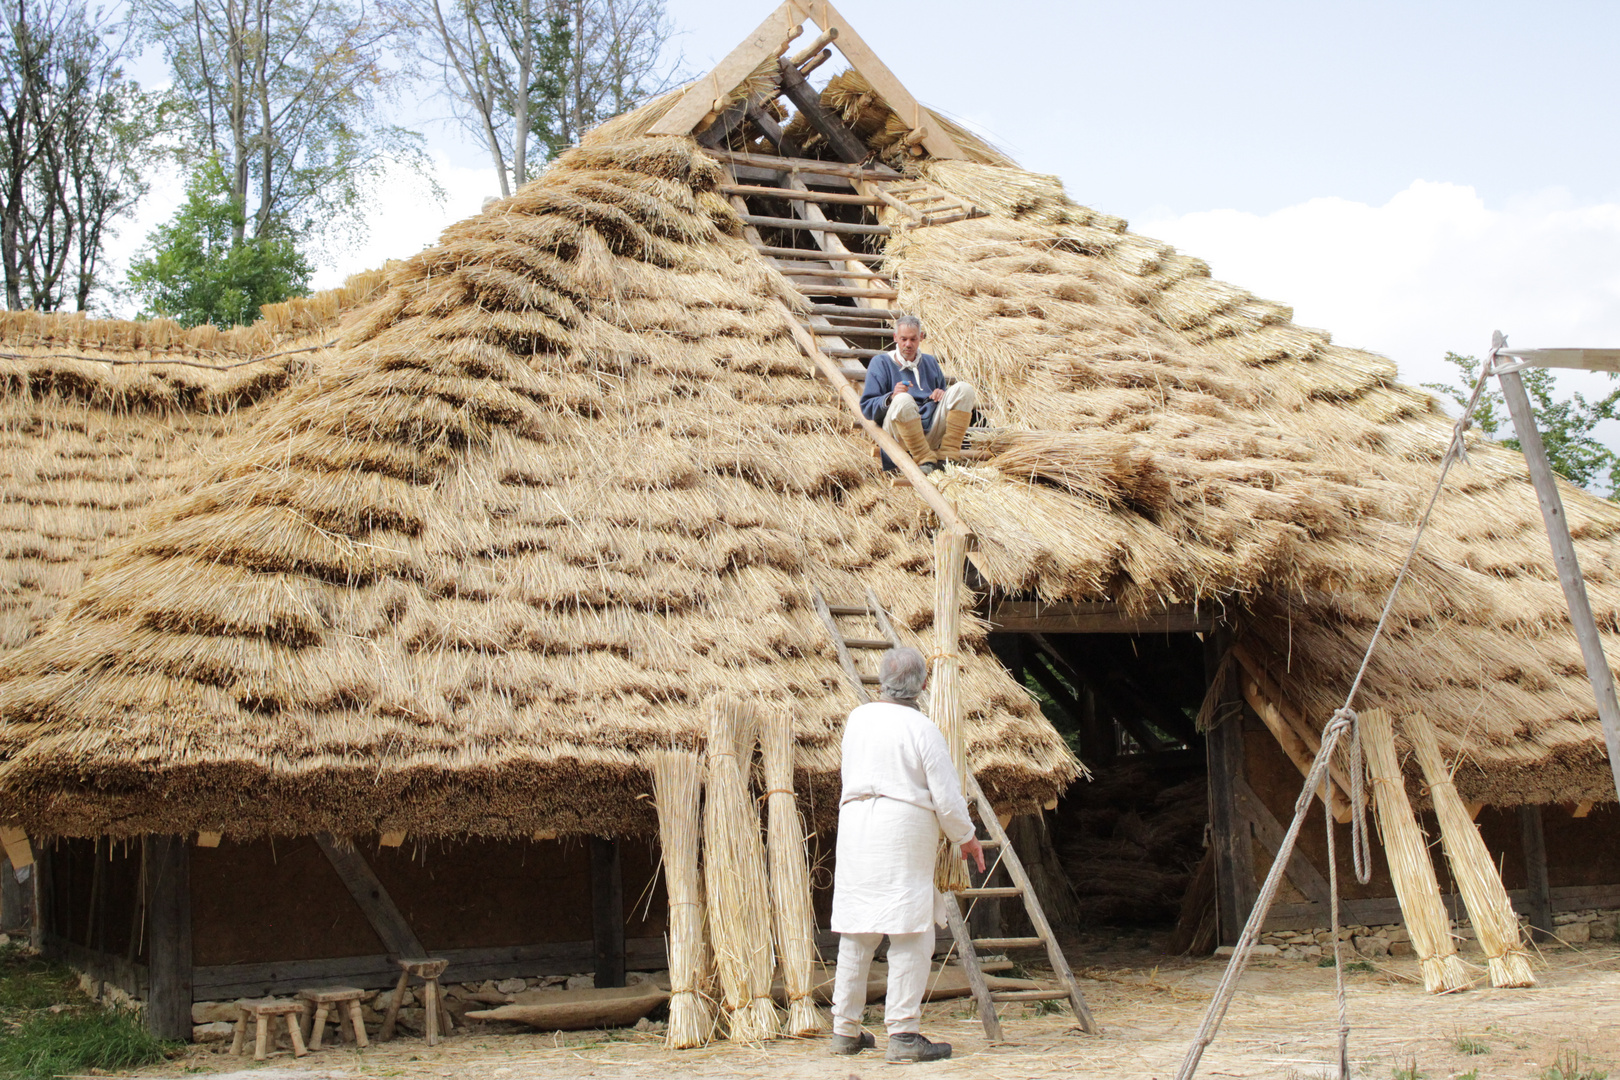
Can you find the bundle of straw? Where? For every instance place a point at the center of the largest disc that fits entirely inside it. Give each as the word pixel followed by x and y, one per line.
pixel 945 700
pixel 790 881
pixel 1415 885
pixel 677 786
pixel 1495 923
pixel 734 870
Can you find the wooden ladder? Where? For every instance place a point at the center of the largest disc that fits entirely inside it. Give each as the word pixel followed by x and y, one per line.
pixel 995 842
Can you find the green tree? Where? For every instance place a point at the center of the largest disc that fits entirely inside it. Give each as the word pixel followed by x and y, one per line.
pixel 75 139
pixel 1566 424
pixel 288 96
pixel 200 268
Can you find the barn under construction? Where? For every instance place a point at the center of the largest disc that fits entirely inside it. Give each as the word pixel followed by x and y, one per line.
pixel 393 592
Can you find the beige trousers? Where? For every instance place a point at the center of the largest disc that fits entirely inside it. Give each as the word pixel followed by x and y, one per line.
pixel 959 397
pixel 910 959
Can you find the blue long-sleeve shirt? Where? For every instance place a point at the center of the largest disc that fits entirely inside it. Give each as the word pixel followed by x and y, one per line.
pixel 883 371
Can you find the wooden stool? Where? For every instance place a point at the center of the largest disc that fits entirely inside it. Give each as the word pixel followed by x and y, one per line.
pixel 330 1000
pixel 433 1011
pixel 264 1036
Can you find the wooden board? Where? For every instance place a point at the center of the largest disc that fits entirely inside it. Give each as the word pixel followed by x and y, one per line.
pixel 1081 618
pixel 374 902
pixel 607 912
pixel 168 937
pixel 1582 359
pixel 1235 886
pixel 763 44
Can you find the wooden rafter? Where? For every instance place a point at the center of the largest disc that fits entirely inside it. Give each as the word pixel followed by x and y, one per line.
pixel 768 41
pixel 807 99
pixel 1292 733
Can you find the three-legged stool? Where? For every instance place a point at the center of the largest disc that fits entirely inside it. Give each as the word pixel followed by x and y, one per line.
pixel 333 1001
pixel 261 1011
pixel 434 1014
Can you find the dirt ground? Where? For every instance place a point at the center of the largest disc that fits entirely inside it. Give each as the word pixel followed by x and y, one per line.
pixel 1281 1024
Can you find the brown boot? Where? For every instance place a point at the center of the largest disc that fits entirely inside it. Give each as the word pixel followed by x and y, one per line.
pixel 956 425
pixel 909 434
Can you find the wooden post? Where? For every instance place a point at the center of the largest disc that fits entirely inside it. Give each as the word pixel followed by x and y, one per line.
pixel 1569 569
pixel 374 901
pixel 1535 872
pixel 607 911
pixel 1229 829
pixel 168 936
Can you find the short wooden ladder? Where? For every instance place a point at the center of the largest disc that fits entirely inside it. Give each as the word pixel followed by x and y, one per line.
pixel 995 842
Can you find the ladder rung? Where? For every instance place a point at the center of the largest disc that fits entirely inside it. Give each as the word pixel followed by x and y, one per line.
pixel 868 643
pixel 993 892
pixel 847 609
pixel 1029 995
pixel 988 842
pixel 995 944
pixel 993 966
pixel 871 680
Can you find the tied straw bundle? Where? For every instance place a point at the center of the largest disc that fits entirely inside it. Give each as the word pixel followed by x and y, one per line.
pixel 945 700
pixel 677 788
pixel 790 881
pixel 1415 885
pixel 734 870
pixel 1495 923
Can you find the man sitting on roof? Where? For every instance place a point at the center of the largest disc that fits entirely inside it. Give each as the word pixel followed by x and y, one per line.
pixel 906 393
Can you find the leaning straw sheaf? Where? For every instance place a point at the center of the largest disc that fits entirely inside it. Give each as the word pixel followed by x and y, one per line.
pixel 734 870
pixel 1489 909
pixel 1408 856
pixel 794 916
pixel 677 777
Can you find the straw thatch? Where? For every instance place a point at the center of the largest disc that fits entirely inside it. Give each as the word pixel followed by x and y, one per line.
pixel 565 479
pixel 677 777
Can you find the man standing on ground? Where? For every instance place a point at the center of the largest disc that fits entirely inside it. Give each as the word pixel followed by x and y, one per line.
pixel 905 392
pixel 900 792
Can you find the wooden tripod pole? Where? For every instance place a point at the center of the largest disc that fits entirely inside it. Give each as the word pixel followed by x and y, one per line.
pixel 1563 547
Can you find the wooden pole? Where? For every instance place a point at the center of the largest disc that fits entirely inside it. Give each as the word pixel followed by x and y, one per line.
pixel 168 930
pixel 607 911
pixel 1535 871
pixel 1229 830
pixel 1563 548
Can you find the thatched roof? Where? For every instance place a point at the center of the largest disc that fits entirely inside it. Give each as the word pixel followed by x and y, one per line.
pixel 570 476
pixel 566 480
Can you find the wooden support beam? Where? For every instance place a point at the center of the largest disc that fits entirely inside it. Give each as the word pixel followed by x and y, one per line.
pixel 770 39
pixel 1093 618
pixel 1121 688
pixel 867 316
pixel 1293 734
pixel 378 907
pixel 1269 831
pixel 607 911
pixel 858 292
pixel 1230 834
pixel 1535 872
pixel 1101 698
pixel 784 143
pixel 795 195
pixel 806 167
pixel 846 228
pixel 167 888
pixel 789 269
pixel 816 255
pixel 844 142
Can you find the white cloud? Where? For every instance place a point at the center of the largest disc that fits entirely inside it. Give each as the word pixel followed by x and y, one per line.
pixel 1433 269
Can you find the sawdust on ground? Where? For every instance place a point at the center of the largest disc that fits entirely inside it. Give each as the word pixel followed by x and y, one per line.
pixel 1282 1024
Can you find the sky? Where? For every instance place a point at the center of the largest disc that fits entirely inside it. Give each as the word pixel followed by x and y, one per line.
pixel 1407 175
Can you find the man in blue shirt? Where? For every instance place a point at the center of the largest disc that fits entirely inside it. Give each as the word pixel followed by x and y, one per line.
pixel 905 392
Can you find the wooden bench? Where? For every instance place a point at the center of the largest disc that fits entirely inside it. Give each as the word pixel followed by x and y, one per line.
pixel 434 1015
pixel 261 1011
pixel 331 1001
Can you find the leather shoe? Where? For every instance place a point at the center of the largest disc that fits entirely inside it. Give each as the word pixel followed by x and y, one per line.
pixel 909 1046
pixel 851 1044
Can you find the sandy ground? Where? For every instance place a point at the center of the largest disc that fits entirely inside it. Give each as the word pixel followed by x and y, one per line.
pixel 1281 1024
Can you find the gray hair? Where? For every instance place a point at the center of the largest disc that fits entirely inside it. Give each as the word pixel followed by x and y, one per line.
pixel 901 674
pixel 908 320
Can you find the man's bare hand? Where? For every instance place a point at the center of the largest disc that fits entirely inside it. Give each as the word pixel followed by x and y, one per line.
pixel 937 395
pixel 973 851
pixel 899 388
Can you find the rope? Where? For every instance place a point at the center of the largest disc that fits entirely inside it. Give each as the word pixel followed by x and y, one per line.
pixel 1344 720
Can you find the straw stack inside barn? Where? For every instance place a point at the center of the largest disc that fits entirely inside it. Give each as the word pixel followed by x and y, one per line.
pixel 498 606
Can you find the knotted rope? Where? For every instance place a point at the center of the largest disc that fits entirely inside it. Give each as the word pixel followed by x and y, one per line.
pixel 1343 720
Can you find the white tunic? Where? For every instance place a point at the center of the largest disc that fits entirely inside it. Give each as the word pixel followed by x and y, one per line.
pixel 900 793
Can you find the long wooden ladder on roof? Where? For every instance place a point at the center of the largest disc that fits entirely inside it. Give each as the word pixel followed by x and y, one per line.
pixel 880 636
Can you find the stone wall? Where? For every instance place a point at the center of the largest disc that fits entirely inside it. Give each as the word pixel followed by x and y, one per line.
pixel 1570 928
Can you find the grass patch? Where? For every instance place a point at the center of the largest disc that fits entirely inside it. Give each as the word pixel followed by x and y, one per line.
pixel 1409 1071
pixel 1568 1066
pixel 1469 1044
pixel 49 1028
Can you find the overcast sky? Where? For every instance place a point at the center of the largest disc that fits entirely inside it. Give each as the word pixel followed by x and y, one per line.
pixel 1407 175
